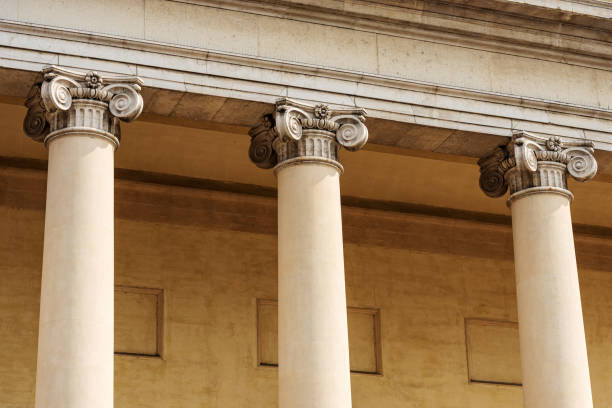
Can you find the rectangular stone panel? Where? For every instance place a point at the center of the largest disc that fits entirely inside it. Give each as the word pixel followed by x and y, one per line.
pixel 364 340
pixel 493 354
pixel 363 329
pixel 267 332
pixel 138 321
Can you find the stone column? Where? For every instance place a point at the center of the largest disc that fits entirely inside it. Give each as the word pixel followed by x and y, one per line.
pixel 554 360
pixel 302 143
pixel 77 117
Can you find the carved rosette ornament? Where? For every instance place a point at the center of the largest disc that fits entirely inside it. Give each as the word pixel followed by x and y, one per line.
pixel 298 133
pixel 63 102
pixel 530 164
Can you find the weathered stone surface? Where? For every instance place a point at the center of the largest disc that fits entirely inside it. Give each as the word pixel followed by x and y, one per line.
pixel 295 133
pixel 63 101
pixel 533 164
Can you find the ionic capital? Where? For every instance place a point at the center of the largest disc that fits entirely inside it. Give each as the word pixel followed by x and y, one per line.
pixel 530 164
pixel 65 102
pixel 297 133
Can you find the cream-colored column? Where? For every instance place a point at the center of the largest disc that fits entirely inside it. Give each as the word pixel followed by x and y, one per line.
pixel 302 142
pixel 76 116
pixel 312 328
pixel 553 349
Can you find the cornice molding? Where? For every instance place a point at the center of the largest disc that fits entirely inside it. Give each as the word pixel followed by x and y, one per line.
pixel 456 22
pixel 145 46
pixel 555 9
pixel 175 70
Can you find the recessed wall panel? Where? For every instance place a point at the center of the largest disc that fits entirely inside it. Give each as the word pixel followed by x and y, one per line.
pixel 363 330
pixel 138 321
pixel 493 351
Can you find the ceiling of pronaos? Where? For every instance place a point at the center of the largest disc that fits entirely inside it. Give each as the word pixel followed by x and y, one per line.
pixel 443 83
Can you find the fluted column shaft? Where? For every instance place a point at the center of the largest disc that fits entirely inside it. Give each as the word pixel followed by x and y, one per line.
pixel 554 361
pixel 302 142
pixel 77 117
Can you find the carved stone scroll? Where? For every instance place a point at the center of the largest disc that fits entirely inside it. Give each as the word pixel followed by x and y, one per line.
pixel 298 132
pixel 529 163
pixel 64 101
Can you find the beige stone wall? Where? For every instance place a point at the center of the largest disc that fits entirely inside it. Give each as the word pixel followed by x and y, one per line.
pixel 214 253
pixel 398 175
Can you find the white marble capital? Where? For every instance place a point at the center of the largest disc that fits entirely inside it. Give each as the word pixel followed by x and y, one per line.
pixel 297 133
pixel 530 164
pixel 64 102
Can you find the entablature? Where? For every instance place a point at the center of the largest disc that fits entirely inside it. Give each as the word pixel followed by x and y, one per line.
pixel 199 86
